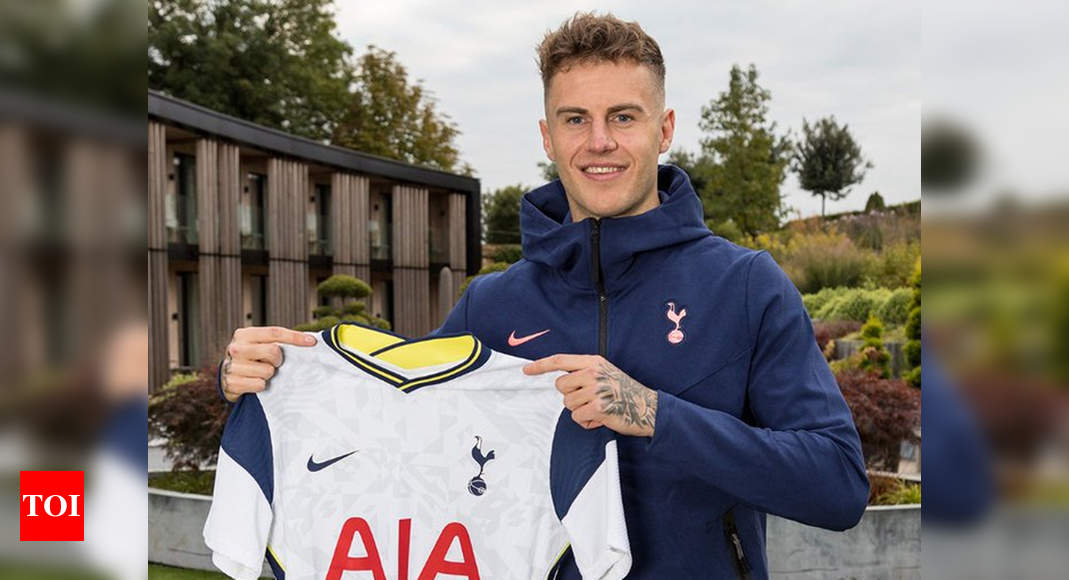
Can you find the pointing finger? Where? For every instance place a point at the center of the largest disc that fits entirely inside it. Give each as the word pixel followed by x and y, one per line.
pixel 559 362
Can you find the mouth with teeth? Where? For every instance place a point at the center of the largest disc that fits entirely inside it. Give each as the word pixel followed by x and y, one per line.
pixel 603 172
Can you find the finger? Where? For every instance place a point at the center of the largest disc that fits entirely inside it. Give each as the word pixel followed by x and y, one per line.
pixel 584 414
pixel 241 385
pixel 262 334
pixel 575 380
pixel 258 370
pixel 577 399
pixel 559 362
pixel 244 353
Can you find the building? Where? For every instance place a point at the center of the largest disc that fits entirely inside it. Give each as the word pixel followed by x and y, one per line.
pixel 244 221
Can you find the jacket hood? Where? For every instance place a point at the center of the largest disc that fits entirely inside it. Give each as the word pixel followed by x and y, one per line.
pixel 551 238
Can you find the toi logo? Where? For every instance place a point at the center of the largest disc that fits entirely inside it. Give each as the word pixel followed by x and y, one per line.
pixel 50 506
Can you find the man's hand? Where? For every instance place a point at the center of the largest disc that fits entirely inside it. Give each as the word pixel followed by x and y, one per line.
pixel 598 393
pixel 252 357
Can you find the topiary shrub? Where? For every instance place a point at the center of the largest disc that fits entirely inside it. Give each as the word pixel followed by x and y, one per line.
pixel 188 412
pixel 874 356
pixel 350 291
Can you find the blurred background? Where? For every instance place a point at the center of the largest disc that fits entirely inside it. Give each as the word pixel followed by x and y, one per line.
pixel 73 374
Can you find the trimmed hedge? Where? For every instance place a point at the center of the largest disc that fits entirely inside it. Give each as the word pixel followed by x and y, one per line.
pixel 857 304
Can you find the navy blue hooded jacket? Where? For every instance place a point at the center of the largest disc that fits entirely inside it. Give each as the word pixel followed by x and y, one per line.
pixel 749 418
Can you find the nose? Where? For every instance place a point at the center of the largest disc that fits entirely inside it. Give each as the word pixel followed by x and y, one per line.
pixel 601 139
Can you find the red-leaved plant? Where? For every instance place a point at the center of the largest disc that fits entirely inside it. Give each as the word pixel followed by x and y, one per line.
pixel 886 412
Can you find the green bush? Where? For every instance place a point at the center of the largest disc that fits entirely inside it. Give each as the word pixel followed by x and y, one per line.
pixel 892 267
pixel 508 253
pixel 901 493
pixel 913 377
pixel 727 229
pixel 814 302
pixel 827 262
pixel 913 329
pixel 895 310
pixel 874 356
pixel 855 304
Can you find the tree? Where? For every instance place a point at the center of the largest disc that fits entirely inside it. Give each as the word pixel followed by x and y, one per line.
pixel 828 160
pixel 273 62
pixel 744 159
pixel 501 215
pixel 875 203
pixel 549 170
pixel 279 63
pixel 389 116
pixel 347 295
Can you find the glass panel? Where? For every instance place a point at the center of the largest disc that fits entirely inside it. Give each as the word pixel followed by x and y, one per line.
pixel 253 212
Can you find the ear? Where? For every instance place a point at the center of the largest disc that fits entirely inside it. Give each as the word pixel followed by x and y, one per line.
pixel 668 129
pixel 547 144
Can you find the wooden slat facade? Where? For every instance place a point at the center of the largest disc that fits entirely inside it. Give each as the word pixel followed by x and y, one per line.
pixel 225 149
pixel 457 247
pixel 411 280
pixel 157 255
pixel 349 229
pixel 287 287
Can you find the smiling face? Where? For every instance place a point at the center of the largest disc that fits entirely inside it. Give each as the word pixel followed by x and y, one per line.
pixel 605 126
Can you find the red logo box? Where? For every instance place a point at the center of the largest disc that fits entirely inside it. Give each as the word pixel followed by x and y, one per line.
pixel 51 506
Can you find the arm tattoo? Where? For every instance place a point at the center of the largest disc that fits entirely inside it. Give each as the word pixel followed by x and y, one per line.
pixel 625 397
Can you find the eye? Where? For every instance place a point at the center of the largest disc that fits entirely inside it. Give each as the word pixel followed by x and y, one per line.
pixel 623 118
pixel 574 120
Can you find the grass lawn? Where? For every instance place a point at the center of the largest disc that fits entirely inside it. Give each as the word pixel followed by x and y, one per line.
pixel 158 572
pixel 200 482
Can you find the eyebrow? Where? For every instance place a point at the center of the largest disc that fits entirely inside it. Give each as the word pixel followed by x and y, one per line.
pixel 612 109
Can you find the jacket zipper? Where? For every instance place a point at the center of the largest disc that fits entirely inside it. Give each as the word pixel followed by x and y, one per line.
pixel 599 284
pixel 742 565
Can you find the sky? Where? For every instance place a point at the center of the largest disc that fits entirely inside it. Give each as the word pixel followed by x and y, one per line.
pixel 859 61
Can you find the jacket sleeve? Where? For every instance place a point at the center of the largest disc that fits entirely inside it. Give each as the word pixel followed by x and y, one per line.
pixel 802 457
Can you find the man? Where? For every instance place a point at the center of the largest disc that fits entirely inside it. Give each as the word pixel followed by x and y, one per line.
pixel 697 352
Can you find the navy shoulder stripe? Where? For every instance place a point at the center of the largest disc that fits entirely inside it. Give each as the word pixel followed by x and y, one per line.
pixel 247 439
pixel 577 454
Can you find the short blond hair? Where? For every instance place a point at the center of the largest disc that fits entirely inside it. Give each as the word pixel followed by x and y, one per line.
pixel 589 38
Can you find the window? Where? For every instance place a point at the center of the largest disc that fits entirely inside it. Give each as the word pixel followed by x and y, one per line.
pixel 318 222
pixel 380 221
pixel 188 320
pixel 254 212
pixel 181 207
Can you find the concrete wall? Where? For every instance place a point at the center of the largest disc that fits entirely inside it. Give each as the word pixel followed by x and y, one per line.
pixel 175 530
pixel 885 545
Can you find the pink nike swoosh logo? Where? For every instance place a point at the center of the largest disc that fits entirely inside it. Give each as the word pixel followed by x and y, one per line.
pixel 513 341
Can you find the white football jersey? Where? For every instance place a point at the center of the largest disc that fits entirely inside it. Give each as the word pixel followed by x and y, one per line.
pixel 372 456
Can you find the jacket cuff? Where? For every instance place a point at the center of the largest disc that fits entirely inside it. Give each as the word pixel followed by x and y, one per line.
pixel 662 431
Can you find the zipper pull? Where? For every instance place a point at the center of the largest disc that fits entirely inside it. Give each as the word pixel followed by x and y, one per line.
pixel 744 564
